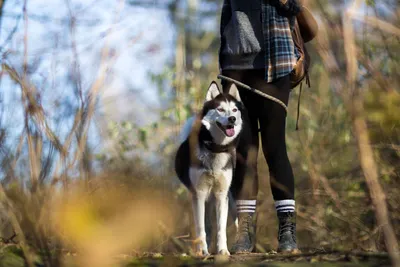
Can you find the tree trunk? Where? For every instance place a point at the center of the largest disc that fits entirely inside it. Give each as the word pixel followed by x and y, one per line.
pixel 370 171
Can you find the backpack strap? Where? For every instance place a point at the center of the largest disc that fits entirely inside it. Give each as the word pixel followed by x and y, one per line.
pixel 298 108
pixel 307 76
pixel 308 24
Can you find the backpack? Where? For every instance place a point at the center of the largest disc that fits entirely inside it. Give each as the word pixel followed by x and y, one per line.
pixel 305 29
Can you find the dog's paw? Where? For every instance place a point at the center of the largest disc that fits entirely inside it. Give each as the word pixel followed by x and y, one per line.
pixel 202 253
pixel 224 252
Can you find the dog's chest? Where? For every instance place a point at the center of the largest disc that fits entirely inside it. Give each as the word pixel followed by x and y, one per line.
pixel 213 171
pixel 214 162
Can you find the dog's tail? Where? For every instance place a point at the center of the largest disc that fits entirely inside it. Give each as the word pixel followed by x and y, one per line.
pixel 186 129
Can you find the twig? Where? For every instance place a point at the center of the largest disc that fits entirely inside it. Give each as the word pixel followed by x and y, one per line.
pixel 10 239
pixel 34 108
pixel 382 25
pixel 15 224
pixel 76 70
pixel 25 64
pixel 377 75
pixel 1 12
pixel 11 34
pixel 384 39
pixel 174 240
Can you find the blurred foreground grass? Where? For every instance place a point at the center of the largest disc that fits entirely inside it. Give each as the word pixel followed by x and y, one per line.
pixel 93 220
pixel 118 221
pixel 11 256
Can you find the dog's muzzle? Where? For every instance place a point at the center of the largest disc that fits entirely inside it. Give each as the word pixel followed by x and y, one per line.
pixel 229 129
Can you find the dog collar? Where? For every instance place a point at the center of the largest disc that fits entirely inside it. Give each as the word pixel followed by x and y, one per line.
pixel 215 148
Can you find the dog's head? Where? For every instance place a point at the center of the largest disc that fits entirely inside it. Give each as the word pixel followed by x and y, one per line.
pixel 222 114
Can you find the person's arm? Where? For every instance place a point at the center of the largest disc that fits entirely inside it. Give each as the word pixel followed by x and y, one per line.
pixel 287 8
pixel 225 14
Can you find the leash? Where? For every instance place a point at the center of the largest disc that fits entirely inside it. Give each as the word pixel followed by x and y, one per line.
pixel 222 77
pixel 276 100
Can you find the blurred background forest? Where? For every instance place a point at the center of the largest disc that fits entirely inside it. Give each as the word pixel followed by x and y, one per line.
pixel 93 95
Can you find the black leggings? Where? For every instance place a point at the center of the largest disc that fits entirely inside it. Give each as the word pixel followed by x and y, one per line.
pixel 272 120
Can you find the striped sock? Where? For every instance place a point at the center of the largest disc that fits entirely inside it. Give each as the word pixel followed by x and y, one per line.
pixel 246 206
pixel 286 205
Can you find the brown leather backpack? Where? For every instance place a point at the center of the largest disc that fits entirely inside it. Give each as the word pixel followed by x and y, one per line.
pixel 305 29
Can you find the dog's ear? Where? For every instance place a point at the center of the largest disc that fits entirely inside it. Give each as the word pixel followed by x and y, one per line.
pixel 213 91
pixel 233 91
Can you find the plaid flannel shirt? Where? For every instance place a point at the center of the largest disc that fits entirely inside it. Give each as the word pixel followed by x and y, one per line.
pixel 280 52
pixel 240 39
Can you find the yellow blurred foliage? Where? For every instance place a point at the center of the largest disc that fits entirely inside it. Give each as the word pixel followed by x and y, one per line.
pixel 383 108
pixel 111 219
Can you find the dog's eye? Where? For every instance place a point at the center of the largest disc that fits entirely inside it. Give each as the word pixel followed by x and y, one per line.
pixel 235 109
pixel 220 109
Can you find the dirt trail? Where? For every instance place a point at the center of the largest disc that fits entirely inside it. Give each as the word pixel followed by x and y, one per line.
pixel 317 258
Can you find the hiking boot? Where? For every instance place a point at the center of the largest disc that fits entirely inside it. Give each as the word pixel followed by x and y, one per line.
pixel 287 232
pixel 244 241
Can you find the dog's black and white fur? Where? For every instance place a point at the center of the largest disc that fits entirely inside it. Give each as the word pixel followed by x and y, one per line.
pixel 205 161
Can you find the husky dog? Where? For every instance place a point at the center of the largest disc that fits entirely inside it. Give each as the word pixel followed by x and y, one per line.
pixel 205 161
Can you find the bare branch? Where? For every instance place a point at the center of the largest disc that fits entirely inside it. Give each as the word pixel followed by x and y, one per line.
pixel 1 12
pixel 76 71
pixel 11 34
pixel 7 206
pixel 25 12
pixel 378 23
pixel 35 110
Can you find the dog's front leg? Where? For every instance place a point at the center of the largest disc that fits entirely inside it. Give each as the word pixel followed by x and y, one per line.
pixel 222 207
pixel 199 200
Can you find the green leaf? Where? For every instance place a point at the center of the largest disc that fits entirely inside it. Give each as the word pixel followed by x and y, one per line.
pixel 370 3
pixel 143 137
pixel 127 125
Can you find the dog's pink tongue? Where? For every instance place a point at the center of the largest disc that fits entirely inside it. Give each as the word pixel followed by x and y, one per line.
pixel 230 132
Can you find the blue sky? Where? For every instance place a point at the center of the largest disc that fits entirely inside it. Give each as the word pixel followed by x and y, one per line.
pixel 143 39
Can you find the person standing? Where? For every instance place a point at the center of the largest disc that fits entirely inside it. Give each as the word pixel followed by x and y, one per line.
pixel 257 49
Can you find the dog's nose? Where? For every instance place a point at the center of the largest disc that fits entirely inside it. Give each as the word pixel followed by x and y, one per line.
pixel 232 119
